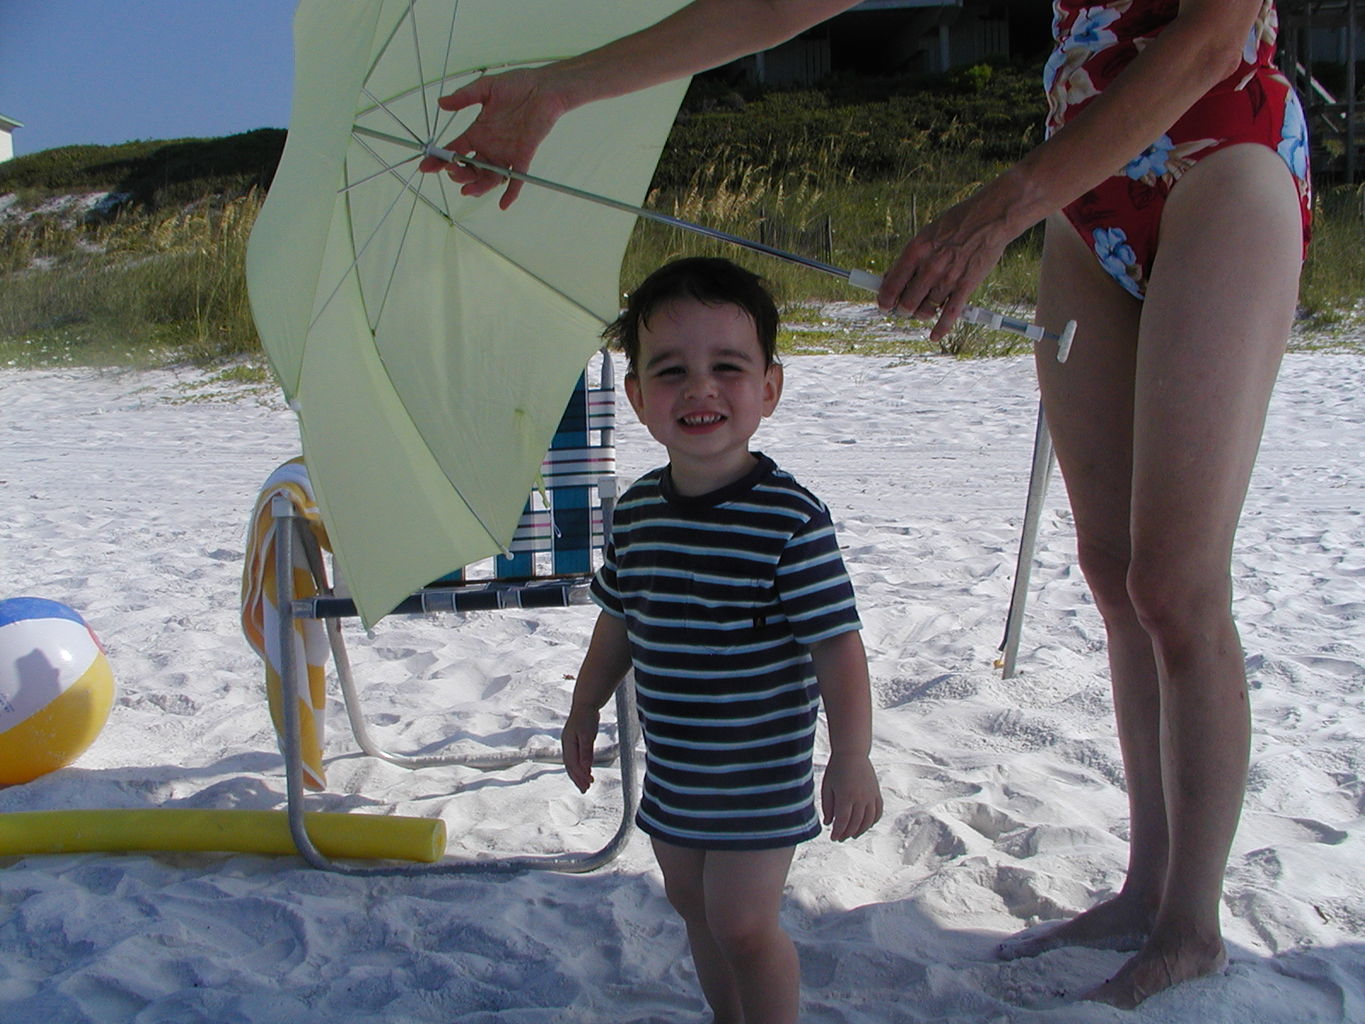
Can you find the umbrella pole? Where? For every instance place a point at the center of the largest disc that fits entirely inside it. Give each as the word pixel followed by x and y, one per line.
pixel 858 278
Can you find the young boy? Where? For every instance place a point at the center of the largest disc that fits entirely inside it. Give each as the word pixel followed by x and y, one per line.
pixel 724 588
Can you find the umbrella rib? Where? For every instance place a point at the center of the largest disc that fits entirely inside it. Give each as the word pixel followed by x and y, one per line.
pixel 471 72
pixel 387 168
pixel 575 303
pixel 384 49
pixel 355 261
pixel 445 65
pixel 393 270
pixel 397 120
pixel 383 170
pixel 417 58
pixel 353 267
pixel 358 133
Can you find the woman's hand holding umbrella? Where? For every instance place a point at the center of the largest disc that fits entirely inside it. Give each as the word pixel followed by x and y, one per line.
pixel 518 109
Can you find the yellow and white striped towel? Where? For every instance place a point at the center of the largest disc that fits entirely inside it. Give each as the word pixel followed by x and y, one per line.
pixel 260 616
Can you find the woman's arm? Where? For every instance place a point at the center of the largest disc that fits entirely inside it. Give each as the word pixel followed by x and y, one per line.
pixel 939 269
pixel 519 108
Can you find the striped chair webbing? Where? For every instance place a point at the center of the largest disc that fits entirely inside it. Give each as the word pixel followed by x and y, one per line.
pixel 571 527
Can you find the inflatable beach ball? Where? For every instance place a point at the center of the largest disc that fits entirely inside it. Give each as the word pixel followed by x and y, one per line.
pixel 56 687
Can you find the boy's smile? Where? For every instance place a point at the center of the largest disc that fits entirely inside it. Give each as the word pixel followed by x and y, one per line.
pixel 701 387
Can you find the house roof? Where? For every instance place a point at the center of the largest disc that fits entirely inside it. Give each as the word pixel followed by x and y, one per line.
pixel 9 123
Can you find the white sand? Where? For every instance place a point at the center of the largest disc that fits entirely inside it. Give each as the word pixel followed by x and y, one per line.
pixel 1005 801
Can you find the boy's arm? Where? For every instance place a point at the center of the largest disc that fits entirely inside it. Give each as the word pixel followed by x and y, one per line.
pixel 604 666
pixel 849 795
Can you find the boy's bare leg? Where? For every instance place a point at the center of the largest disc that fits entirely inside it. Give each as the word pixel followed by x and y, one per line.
pixel 684 884
pixel 743 900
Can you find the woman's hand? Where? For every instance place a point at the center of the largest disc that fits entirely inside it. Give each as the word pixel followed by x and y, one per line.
pixel 939 269
pixel 517 110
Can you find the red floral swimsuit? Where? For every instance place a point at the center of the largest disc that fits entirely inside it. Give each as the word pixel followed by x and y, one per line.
pixel 1121 217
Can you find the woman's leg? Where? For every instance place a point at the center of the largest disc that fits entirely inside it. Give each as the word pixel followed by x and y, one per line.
pixel 1219 308
pixel 1089 405
pixel 684 872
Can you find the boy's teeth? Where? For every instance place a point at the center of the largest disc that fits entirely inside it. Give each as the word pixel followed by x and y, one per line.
pixel 701 420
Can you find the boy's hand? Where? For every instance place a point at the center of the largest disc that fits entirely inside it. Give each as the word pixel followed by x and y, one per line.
pixel 850 797
pixel 577 739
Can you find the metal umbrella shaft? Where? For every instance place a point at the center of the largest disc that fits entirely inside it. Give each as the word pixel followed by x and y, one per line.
pixel 858 278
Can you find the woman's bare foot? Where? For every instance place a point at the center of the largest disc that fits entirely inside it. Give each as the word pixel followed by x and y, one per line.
pixel 1120 923
pixel 1153 971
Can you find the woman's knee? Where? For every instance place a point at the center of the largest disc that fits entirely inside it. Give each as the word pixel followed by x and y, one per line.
pixel 1180 605
pixel 1106 573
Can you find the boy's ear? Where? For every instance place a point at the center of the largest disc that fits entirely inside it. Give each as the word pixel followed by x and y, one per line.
pixel 772 387
pixel 637 401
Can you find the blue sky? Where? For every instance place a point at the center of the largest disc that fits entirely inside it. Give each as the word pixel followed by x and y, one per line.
pixel 107 71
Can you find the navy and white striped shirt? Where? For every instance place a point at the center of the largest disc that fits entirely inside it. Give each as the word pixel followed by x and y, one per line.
pixel 722 594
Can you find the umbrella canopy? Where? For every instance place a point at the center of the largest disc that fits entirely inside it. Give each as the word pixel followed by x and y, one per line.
pixel 428 340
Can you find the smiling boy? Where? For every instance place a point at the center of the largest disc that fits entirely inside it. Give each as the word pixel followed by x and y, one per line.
pixel 724 589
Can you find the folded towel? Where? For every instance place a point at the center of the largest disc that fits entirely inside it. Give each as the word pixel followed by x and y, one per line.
pixel 260 616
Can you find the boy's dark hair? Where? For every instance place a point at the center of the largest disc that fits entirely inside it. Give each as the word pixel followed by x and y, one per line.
pixel 706 279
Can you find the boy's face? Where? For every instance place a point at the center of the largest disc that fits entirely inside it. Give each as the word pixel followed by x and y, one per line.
pixel 701 387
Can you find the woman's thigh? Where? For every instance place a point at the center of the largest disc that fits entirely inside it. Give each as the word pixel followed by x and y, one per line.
pixel 1088 400
pixel 1220 304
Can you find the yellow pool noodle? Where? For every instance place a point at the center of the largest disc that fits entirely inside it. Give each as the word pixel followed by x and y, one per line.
pixel 160 829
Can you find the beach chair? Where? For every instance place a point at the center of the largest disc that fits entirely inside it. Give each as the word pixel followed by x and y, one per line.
pixel 549 564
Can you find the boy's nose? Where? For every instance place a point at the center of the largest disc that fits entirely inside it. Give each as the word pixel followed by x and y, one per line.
pixel 701 383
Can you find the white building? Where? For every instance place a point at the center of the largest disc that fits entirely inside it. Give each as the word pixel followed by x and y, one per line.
pixel 7 126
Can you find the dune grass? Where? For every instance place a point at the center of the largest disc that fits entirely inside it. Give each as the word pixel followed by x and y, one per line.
pixel 839 175
pixel 141 290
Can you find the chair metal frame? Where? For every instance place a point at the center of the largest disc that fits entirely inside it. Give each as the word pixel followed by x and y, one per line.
pixel 578 467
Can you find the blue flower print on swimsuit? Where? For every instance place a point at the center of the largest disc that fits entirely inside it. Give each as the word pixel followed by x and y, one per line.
pixel 1151 162
pixel 1089 33
pixel 1091 28
pixel 1293 145
pixel 1253 43
pixel 1118 259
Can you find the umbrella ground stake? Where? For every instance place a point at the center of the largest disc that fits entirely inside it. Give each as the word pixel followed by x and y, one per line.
pixel 1043 458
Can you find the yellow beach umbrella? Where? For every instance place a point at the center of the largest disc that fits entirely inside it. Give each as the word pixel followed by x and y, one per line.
pixel 427 340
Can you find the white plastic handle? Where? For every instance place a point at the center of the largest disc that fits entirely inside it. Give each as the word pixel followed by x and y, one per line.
pixel 865 279
pixel 974 314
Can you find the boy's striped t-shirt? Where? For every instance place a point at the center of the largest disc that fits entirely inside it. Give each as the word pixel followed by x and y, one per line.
pixel 722 595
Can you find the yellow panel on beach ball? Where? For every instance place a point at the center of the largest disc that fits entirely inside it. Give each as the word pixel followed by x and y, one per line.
pixel 56 687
